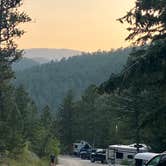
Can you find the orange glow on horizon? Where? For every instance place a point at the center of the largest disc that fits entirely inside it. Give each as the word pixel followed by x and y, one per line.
pixel 86 25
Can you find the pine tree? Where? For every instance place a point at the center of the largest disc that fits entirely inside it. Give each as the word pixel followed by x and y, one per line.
pixel 47 117
pixel 147 21
pixel 65 120
pixel 10 18
pixel 10 115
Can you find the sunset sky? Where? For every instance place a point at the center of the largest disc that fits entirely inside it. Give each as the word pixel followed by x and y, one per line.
pixel 85 25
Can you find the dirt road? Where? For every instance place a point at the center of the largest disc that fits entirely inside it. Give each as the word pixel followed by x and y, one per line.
pixel 69 161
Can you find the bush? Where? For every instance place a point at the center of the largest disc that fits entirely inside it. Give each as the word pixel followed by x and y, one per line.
pixel 27 158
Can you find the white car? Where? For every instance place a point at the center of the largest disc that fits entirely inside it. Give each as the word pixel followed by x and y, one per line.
pixel 159 160
pixel 142 158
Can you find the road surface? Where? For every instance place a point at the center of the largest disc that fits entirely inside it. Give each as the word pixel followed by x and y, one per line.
pixel 72 161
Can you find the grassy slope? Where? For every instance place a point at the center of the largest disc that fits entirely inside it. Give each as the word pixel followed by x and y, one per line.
pixel 26 159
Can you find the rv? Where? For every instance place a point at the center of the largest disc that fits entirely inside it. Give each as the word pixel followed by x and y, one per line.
pixel 80 145
pixel 118 154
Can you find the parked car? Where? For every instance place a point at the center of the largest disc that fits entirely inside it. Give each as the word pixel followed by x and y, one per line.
pixel 142 158
pixel 86 153
pixel 98 155
pixel 159 160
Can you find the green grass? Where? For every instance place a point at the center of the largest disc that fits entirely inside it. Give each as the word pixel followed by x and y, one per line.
pixel 26 159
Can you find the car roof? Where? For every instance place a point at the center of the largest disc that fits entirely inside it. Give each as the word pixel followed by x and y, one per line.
pixel 127 147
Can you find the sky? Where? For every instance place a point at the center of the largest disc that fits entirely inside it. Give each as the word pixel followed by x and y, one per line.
pixel 86 25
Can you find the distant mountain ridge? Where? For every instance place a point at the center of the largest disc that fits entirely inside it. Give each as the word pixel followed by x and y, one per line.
pixel 37 56
pixel 45 55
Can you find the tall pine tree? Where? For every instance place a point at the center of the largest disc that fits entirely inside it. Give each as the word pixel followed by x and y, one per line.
pixel 10 18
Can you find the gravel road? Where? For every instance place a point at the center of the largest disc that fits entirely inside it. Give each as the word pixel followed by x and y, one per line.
pixel 71 161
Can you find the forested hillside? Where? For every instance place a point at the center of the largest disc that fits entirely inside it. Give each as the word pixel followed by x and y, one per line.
pixel 24 63
pixel 49 83
pixel 37 56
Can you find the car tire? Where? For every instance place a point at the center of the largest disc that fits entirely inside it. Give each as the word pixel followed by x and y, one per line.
pixel 83 156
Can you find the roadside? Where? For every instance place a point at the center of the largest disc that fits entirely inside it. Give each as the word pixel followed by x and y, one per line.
pixel 73 161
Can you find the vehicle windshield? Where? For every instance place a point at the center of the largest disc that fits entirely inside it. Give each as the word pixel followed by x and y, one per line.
pixel 154 162
pixel 100 150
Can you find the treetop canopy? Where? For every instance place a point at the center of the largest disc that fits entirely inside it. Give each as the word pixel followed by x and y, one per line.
pixel 147 21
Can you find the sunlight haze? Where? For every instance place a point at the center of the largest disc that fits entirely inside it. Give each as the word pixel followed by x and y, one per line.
pixel 85 25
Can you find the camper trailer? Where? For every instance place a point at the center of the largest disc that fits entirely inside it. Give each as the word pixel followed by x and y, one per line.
pixel 117 154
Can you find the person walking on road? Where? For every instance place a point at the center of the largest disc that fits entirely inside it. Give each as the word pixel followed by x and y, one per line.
pixel 52 160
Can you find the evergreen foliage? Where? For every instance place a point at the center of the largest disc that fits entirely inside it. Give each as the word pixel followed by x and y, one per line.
pixel 19 117
pixel 11 133
pixel 65 122
pixel 130 106
pixel 49 83
pixel 147 21
pixel 144 72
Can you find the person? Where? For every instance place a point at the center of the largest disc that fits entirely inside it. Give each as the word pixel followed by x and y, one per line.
pixel 52 160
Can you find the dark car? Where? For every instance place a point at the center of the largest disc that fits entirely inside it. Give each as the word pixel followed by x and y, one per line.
pixel 159 160
pixel 85 152
pixel 98 155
